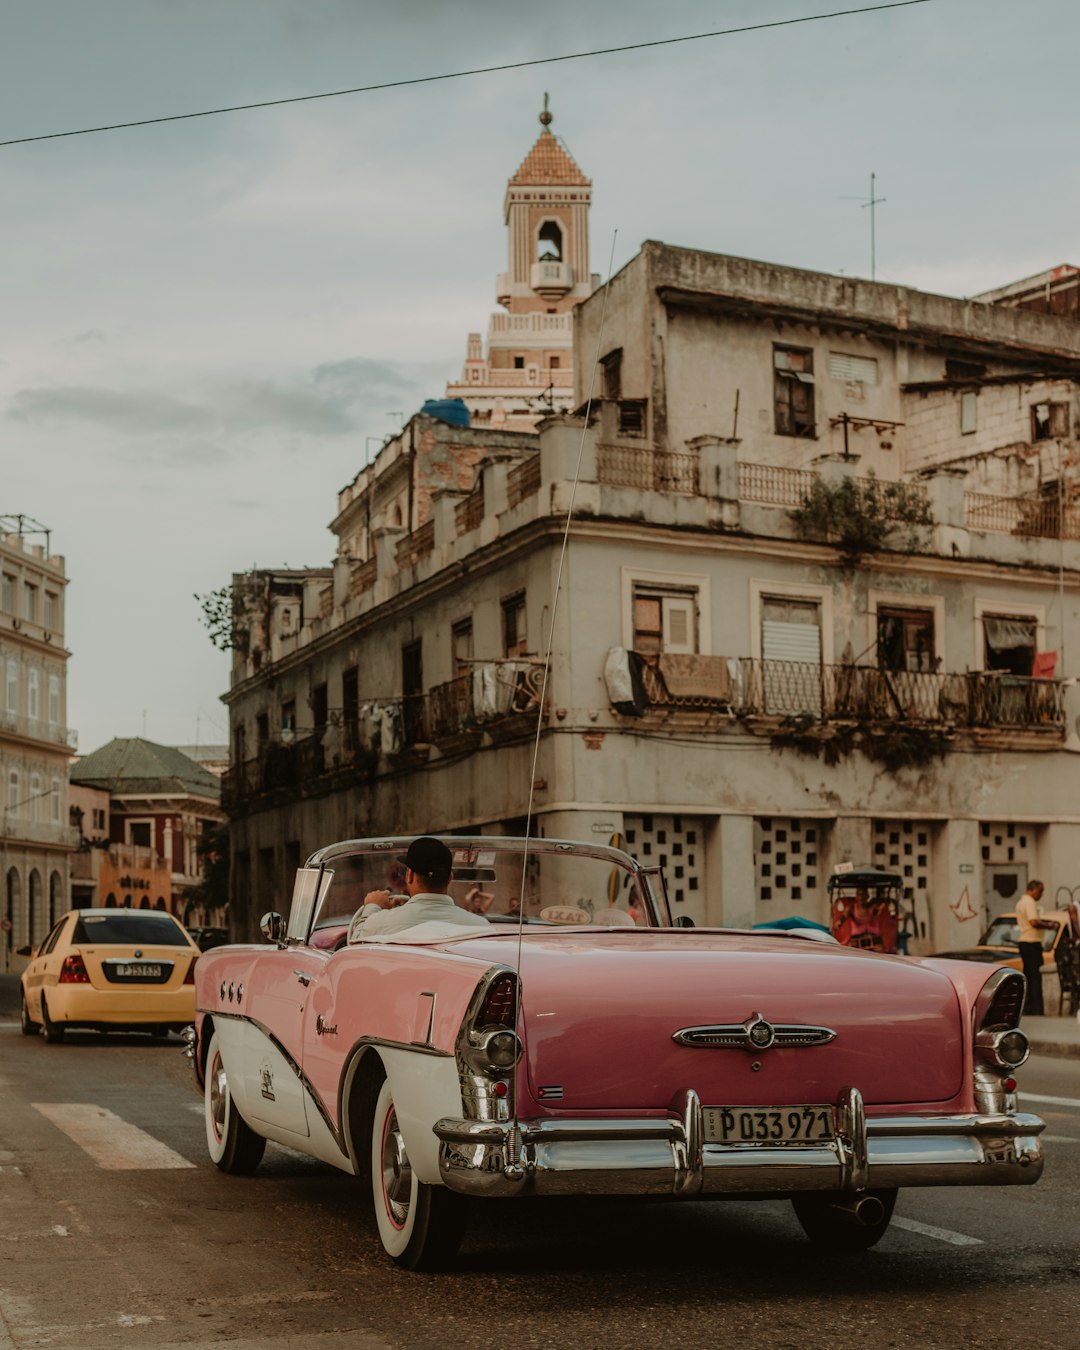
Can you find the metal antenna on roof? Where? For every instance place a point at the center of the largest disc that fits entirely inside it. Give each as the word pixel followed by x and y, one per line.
pixel 873 201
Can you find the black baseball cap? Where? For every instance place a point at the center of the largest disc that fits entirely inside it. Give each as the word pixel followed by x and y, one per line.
pixel 427 856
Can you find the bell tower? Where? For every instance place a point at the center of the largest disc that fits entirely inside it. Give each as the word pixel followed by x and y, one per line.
pixel 526 372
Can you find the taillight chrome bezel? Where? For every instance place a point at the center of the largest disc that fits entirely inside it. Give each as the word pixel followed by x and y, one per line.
pixel 488 1051
pixel 1004 1049
pixel 1001 1002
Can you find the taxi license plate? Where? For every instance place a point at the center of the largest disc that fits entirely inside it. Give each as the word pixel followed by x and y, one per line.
pixel 768 1125
pixel 137 970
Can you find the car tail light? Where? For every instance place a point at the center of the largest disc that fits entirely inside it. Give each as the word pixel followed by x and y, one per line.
pixel 497 1009
pixel 73 971
pixel 1005 1005
pixel 189 978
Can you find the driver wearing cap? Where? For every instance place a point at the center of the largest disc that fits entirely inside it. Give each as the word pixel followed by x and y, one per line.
pixel 428 863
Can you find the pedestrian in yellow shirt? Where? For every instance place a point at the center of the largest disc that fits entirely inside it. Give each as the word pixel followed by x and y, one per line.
pixel 1029 919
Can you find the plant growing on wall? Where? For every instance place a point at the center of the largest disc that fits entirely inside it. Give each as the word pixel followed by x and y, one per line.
pixel 227 612
pixel 894 746
pixel 862 515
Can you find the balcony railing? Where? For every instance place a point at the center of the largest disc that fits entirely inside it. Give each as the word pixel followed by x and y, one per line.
pixel 774 485
pixel 751 687
pixel 1036 516
pixel 415 546
pixel 649 470
pixel 38 831
pixel 362 577
pixel 470 512
pixel 37 729
pixel 523 480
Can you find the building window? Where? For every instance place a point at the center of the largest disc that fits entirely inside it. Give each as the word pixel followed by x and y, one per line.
pixel 519 363
pixel 665 619
pixel 461 639
pixel 611 373
pixel 553 363
pixel 632 417
pixel 288 715
pixel 13 792
pixel 36 794
pixel 851 369
pixel 350 695
pixel 1009 642
pixel 139 833
pixel 790 629
pixel 54 796
pixel 52 611
pixel 320 706
pixel 54 700
pixel 30 592
pixel 793 391
pixel 7 594
pixel 33 694
pixel 262 728
pixel 549 243
pixel 905 639
pixel 1049 421
pixel 968 407
pixel 515 642
pixel 12 686
pixel 412 689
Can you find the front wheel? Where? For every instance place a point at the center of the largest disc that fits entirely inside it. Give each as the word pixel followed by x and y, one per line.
pixel 29 1028
pixel 421 1226
pixel 234 1146
pixel 828 1219
pixel 49 1029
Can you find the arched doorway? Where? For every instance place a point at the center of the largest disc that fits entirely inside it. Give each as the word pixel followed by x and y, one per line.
pixel 110 901
pixel 12 906
pixel 33 906
pixel 56 898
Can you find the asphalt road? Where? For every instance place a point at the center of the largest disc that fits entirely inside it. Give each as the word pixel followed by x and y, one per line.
pixel 173 1253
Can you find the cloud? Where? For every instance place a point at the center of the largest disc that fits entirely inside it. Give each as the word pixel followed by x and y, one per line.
pixel 135 412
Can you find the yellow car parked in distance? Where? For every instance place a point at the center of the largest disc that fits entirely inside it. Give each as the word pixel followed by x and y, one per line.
pixel 110 970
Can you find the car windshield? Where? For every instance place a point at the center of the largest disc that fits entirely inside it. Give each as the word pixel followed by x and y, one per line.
pixel 113 927
pixel 554 887
pixel 1005 932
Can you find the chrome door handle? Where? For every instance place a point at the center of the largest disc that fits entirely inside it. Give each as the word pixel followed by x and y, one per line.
pixel 302 976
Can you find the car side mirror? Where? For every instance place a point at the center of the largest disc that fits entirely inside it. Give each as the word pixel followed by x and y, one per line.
pixel 684 921
pixel 272 926
pixel 24 951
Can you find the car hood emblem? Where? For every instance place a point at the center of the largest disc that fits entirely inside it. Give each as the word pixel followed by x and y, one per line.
pixel 754 1034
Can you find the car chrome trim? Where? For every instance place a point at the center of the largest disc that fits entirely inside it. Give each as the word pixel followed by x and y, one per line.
pixel 755 1034
pixel 665 1155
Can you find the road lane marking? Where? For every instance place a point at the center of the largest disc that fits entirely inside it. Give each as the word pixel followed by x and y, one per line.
pixel 114 1144
pixel 1049 1101
pixel 1059 1139
pixel 942 1234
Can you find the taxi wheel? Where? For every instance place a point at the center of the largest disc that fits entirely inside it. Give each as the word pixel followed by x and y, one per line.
pixel 420 1226
pixel 53 1034
pixel 234 1146
pixel 827 1223
pixel 29 1027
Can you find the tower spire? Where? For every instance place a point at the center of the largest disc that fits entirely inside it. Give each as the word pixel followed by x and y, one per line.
pixel 546 118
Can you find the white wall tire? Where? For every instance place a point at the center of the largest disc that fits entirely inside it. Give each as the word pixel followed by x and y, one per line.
pixel 233 1145
pixel 420 1226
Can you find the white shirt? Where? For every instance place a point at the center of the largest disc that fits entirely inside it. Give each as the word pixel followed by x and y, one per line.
pixel 421 908
pixel 1027 911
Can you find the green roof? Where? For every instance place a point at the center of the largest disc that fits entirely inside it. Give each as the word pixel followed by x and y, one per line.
pixel 131 766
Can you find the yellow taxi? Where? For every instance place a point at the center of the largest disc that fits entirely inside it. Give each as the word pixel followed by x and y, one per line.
pixel 110 970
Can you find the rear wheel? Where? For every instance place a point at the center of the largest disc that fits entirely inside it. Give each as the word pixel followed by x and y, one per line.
pixel 421 1226
pixel 828 1219
pixel 29 1028
pixel 234 1146
pixel 50 1030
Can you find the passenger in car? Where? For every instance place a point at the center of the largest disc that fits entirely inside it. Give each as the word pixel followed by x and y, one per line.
pixel 428 868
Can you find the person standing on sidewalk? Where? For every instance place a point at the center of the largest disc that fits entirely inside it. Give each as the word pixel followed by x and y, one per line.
pixel 1030 920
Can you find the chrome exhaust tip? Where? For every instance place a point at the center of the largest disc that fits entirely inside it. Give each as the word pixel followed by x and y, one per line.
pixel 863 1210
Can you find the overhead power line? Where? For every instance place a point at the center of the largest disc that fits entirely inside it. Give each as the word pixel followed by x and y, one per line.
pixel 463 74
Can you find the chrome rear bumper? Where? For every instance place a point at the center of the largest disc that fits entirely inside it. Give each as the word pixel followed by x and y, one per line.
pixel 667 1155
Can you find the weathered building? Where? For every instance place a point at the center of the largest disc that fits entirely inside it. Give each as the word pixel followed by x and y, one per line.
pixel 526 371
pixel 147 851
pixel 819 605
pixel 36 841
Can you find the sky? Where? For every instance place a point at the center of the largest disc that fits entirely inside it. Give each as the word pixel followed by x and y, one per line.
pixel 206 326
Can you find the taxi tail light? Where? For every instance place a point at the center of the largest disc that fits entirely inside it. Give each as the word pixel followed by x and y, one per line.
pixel 189 978
pixel 73 971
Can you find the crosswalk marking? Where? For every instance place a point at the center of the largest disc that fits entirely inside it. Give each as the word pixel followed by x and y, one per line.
pixel 1049 1101
pixel 942 1234
pixel 112 1143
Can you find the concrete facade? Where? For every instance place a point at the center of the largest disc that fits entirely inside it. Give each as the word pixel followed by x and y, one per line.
pixel 36 840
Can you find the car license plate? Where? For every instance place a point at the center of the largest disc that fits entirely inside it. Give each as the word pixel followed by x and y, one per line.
pixel 769 1125
pixel 137 970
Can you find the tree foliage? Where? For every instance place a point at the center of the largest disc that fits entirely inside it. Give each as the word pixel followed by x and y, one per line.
pixel 862 515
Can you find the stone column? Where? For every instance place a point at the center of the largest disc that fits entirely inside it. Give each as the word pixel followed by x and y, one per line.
pixel 730 887
pixel 956 921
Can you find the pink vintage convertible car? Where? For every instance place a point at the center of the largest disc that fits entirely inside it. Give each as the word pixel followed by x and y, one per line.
pixel 582 1045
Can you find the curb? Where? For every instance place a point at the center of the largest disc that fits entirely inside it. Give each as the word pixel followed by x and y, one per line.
pixel 1056 1049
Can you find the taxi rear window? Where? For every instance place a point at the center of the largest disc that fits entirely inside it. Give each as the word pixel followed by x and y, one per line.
pixel 108 929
